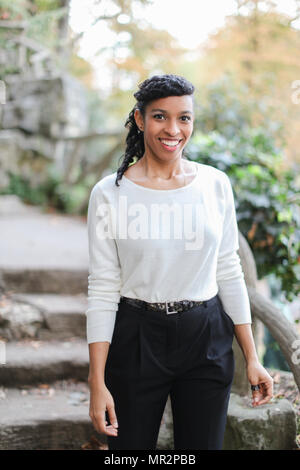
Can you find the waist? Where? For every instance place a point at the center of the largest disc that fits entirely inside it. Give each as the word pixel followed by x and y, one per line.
pixel 167 307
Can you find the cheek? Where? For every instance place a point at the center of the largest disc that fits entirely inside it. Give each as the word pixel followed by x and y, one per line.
pixel 152 132
pixel 188 131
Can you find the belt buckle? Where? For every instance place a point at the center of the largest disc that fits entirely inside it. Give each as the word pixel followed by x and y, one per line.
pixel 167 309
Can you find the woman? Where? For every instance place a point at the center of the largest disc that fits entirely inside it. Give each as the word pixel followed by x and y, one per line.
pixel 164 305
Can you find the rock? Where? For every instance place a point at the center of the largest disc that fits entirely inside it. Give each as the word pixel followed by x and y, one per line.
pixel 267 427
pixel 63 97
pixel 64 315
pixel 18 320
pixel 26 156
pixel 36 117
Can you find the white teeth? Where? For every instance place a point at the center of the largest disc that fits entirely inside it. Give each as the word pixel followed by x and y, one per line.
pixel 170 143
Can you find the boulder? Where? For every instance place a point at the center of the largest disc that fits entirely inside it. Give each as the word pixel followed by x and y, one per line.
pixel 46 106
pixel 271 426
pixel 18 319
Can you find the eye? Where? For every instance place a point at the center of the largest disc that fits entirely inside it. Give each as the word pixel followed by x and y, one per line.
pixel 186 118
pixel 158 116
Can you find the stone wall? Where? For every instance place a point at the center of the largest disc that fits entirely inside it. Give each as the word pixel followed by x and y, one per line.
pixel 35 114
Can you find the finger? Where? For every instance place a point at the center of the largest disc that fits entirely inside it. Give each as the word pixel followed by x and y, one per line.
pixel 265 393
pixel 100 424
pixel 256 396
pixel 268 386
pixel 268 395
pixel 112 415
pixel 111 431
pixel 107 429
pixel 263 401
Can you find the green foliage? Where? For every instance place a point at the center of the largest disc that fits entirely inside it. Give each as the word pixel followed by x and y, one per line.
pixel 42 19
pixel 53 192
pixel 267 199
pixel 23 10
pixel 221 106
pixel 17 10
pixel 228 137
pixel 43 27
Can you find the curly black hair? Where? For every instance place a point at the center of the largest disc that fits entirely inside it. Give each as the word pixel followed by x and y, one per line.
pixel 156 87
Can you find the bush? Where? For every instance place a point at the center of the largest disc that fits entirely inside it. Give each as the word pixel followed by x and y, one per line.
pixel 266 196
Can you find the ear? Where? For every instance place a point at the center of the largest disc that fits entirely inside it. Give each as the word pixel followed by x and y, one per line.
pixel 139 119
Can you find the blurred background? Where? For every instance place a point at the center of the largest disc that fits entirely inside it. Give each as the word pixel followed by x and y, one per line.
pixel 68 71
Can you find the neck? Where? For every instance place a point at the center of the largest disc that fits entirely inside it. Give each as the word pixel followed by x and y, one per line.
pixel 153 168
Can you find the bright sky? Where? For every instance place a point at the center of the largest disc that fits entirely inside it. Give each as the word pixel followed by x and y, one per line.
pixel 189 21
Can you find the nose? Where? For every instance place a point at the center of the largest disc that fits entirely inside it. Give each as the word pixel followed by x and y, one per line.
pixel 172 128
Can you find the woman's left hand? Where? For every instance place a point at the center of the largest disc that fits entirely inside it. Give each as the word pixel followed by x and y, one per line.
pixel 257 375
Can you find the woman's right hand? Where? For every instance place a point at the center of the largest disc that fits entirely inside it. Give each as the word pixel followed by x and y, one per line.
pixel 100 401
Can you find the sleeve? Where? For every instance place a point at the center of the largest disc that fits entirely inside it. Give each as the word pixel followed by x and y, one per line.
pixel 232 288
pixel 104 279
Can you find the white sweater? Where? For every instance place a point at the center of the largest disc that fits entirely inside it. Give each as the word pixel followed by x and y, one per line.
pixel 162 246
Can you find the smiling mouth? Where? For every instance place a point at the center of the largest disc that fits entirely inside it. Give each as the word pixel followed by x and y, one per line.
pixel 170 144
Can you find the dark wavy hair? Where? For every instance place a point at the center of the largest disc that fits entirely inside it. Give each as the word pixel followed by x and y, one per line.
pixel 156 87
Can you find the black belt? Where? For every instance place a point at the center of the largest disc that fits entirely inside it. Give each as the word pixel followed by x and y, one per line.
pixel 167 307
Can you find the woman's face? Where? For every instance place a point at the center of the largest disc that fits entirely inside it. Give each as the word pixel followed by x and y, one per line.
pixel 167 125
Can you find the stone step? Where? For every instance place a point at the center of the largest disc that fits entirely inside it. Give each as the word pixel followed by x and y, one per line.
pixel 42 252
pixel 48 280
pixel 29 362
pixel 271 426
pixel 52 417
pixel 61 316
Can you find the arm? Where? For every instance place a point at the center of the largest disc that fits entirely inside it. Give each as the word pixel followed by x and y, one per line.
pixel 234 296
pixel 98 354
pixel 104 280
pixel 257 374
pixel 103 297
pixel 101 399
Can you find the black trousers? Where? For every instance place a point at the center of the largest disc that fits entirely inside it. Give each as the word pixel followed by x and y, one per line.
pixel 187 355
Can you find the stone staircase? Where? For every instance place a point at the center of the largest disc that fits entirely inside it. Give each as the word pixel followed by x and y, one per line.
pixel 44 397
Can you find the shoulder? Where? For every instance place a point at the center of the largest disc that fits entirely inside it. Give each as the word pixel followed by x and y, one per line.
pixel 213 174
pixel 105 186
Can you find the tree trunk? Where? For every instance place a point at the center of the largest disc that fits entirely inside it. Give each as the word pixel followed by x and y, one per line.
pixel 262 309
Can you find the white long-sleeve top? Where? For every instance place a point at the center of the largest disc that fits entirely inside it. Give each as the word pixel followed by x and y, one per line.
pixel 163 245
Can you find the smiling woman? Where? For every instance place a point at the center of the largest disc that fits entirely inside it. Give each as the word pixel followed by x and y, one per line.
pixel 164 303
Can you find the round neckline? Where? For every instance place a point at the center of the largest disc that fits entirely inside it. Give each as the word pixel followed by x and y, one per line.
pixel 127 180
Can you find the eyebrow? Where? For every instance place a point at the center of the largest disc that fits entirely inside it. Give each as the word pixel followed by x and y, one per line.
pixel 164 111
